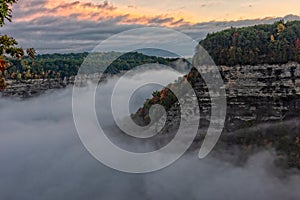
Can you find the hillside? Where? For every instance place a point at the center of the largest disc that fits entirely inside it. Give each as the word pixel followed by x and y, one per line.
pixel 67 65
pixel 277 43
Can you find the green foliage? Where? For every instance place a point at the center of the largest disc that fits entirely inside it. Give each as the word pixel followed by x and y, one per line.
pixel 67 65
pixel 277 43
pixel 166 96
pixel 5 10
pixel 49 66
pixel 7 46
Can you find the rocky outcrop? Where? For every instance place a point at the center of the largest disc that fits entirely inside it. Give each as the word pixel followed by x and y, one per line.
pixel 261 93
pixel 32 87
pixel 254 94
pixel 263 109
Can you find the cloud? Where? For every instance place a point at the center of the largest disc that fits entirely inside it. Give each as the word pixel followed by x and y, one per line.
pixel 59 26
pixel 74 26
pixel 199 31
pixel 58 35
pixel 83 11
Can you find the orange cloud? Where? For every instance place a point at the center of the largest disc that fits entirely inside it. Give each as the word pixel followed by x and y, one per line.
pixel 100 12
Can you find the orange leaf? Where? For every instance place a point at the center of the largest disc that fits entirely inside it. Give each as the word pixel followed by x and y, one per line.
pixel 2 65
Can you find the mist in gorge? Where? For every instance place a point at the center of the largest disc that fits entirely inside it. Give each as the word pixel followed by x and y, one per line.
pixel 146 100
pixel 42 157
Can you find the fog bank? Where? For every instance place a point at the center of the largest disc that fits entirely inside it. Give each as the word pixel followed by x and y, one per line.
pixel 42 157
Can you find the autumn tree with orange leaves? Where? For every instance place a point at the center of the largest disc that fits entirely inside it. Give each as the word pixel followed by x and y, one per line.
pixel 8 45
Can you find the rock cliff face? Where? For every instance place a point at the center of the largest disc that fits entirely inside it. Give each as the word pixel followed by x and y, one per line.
pixel 263 109
pixel 262 93
pixel 263 106
pixel 254 94
pixel 33 87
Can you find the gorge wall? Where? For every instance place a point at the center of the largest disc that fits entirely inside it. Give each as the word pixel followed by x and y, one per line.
pixel 263 106
pixel 263 110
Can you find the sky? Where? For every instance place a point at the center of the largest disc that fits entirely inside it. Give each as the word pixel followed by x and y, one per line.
pixel 75 26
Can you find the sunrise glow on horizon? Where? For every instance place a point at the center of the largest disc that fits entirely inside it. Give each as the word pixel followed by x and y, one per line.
pixel 169 13
pixel 77 25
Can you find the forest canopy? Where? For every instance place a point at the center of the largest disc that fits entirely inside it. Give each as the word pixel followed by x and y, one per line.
pixel 276 43
pixel 67 65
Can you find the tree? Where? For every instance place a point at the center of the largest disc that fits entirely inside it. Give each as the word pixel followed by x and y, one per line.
pixel 8 45
pixel 280 28
pixel 297 43
pixel 5 10
pixel 276 43
pixel 272 38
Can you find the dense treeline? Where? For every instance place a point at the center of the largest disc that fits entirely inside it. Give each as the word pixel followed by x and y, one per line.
pixel 276 43
pixel 48 65
pixel 67 65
